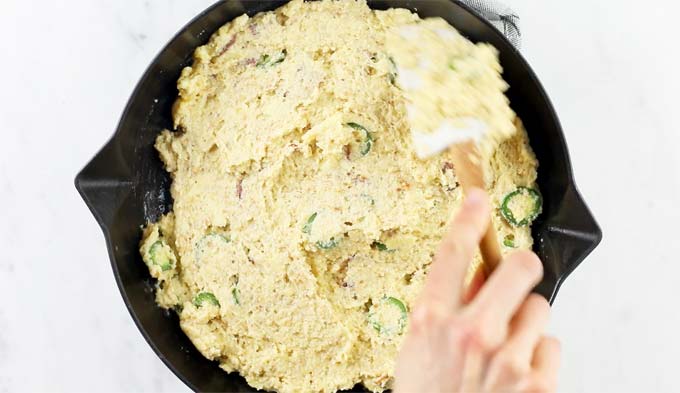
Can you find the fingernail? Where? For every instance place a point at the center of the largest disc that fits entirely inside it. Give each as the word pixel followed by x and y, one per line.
pixel 475 197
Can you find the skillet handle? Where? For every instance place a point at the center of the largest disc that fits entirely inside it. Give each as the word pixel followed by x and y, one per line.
pixel 105 183
pixel 570 234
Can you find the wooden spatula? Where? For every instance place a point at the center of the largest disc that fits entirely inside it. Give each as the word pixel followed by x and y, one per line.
pixel 462 144
pixel 467 163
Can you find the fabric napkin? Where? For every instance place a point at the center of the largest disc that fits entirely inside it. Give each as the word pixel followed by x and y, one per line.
pixel 501 16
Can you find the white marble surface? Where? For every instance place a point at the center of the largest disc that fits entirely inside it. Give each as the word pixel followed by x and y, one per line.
pixel 610 67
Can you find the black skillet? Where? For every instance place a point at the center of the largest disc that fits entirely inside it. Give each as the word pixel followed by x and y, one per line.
pixel 125 185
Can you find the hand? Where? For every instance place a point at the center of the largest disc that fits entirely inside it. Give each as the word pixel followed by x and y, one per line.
pixel 494 343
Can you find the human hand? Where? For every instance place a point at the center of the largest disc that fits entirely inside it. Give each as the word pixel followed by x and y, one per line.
pixel 494 343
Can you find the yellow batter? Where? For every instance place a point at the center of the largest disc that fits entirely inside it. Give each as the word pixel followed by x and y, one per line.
pixel 303 224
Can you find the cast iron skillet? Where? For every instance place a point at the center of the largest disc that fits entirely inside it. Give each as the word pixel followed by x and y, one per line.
pixel 125 184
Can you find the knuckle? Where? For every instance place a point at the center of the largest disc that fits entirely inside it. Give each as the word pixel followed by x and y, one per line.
pixel 469 237
pixel 458 239
pixel 459 331
pixel 458 244
pixel 460 325
pixel 510 365
pixel 480 339
pixel 425 316
pixel 481 333
pixel 538 304
pixel 448 248
pixel 538 300
pixel 528 263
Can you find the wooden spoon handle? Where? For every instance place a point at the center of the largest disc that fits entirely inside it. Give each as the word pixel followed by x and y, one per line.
pixel 467 163
pixel 490 250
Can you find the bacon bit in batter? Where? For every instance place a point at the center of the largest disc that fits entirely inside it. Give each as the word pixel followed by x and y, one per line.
pixel 347 149
pixel 249 61
pixel 359 179
pixel 253 29
pixel 227 46
pixel 372 56
pixel 448 167
pixel 403 186
pixel 341 277
pixel 382 380
pixel 239 188
pixel 390 232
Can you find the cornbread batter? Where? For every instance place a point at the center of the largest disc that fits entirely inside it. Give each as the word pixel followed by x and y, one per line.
pixel 303 223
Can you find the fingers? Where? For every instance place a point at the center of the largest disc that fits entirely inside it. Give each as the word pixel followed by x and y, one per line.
pixel 506 288
pixel 546 362
pixel 444 283
pixel 513 360
pixel 474 285
pixel 527 327
pixel 473 369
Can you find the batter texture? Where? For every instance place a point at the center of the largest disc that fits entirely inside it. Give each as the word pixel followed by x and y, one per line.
pixel 303 223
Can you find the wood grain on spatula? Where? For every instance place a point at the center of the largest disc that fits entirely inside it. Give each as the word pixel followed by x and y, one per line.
pixel 469 172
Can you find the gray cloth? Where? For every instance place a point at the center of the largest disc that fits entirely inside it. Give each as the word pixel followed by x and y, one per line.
pixel 501 16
